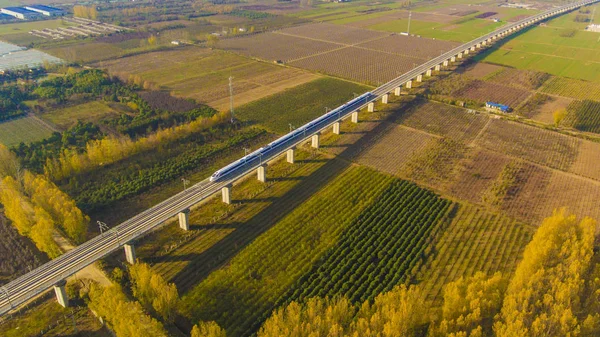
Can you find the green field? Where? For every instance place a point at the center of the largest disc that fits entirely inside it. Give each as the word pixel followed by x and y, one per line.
pixel 87 112
pixel 298 105
pixel 562 48
pixel 18 33
pixel 462 30
pixel 240 295
pixel 475 240
pixel 382 247
pixel 25 130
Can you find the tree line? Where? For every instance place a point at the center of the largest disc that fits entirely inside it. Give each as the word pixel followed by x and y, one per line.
pixel 37 207
pixel 152 296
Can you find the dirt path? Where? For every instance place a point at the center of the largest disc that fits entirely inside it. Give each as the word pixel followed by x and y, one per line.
pixel 91 272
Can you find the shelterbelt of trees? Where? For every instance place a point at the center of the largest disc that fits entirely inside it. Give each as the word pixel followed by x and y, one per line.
pixel 555 291
pixel 112 149
pixel 36 207
pixel 153 296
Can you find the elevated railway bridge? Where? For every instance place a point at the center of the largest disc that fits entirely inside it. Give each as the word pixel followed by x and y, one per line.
pixel 54 273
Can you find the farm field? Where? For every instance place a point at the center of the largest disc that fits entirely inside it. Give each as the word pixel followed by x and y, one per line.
pixel 361 65
pixel 550 49
pixel 357 54
pixel 573 88
pixel 87 112
pixel 298 105
pixel 203 75
pixel 435 153
pixel 475 240
pixel 583 116
pixel 242 294
pixel 394 231
pixel 18 255
pixel 26 130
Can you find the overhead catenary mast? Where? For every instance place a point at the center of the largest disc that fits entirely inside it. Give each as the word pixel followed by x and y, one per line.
pixel 231 98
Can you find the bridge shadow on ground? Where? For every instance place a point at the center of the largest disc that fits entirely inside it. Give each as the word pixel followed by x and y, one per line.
pixel 200 265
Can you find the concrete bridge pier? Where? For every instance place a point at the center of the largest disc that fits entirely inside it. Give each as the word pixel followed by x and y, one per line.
pixel 385 98
pixel 438 67
pixel 428 73
pixel 225 195
pixel 445 64
pixel 466 52
pixel 184 218
pixel 336 128
pixel 316 140
pixel 371 107
pixel 419 78
pixel 408 84
pixel 61 293
pixel 473 48
pixel 291 154
pixel 459 56
pixel 354 117
pixel 453 59
pixel 398 91
pixel 261 173
pixel 478 46
pixel 129 253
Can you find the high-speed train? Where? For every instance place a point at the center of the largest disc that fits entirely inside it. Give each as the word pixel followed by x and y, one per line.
pixel 265 153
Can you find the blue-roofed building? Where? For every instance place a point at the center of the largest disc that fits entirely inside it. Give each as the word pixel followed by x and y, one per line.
pixel 497 107
pixel 46 10
pixel 20 13
pixel 6 17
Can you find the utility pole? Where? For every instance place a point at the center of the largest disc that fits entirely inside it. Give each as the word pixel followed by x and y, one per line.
pixel 231 98
pixel 408 29
pixel 185 182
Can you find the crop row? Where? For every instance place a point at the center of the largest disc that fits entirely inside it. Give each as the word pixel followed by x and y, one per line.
pixel 379 250
pixel 240 295
pixel 584 115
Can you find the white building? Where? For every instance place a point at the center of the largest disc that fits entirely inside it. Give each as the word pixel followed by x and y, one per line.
pixel 20 13
pixel 46 10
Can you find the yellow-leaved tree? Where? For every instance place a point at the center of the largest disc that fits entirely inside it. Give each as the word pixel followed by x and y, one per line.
pixel 467 302
pixel 208 329
pixel 58 204
pixel 153 291
pixel 397 313
pixel 125 318
pixel 544 297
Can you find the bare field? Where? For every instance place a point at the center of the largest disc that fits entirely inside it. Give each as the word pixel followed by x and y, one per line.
pixel 412 46
pixel 477 172
pixel 579 195
pixel 586 163
pixel 530 143
pixel 483 91
pixel 444 120
pixel 204 75
pixel 525 79
pixel 333 33
pixel 19 255
pixel 285 48
pixel 394 149
pixel 357 64
pixel 526 198
pixel 545 113
pixel 479 70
